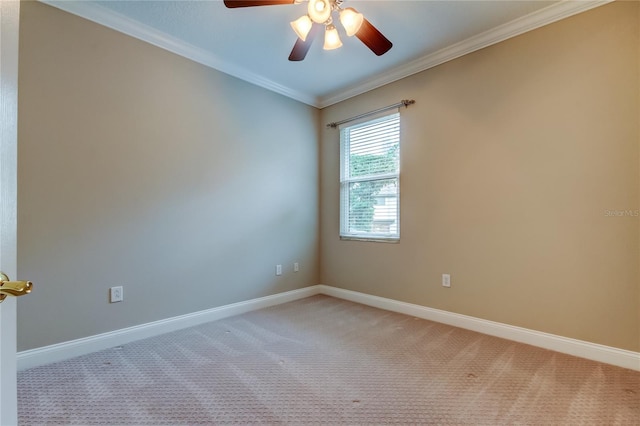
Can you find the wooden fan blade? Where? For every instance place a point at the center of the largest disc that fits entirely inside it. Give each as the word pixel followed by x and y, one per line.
pixel 251 3
pixel 373 39
pixel 301 48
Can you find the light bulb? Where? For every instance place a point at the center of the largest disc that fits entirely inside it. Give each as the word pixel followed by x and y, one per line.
pixel 302 26
pixel 351 20
pixel 319 10
pixel 331 38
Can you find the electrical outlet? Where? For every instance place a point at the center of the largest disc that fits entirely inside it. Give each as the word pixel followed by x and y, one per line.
pixel 278 269
pixel 296 267
pixel 116 294
pixel 446 280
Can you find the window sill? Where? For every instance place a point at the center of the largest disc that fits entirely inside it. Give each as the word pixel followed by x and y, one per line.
pixel 370 239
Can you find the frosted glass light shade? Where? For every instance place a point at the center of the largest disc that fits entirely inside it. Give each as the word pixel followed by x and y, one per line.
pixel 302 26
pixel 331 38
pixel 319 10
pixel 351 20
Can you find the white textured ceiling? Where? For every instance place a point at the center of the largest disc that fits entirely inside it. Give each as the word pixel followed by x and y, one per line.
pixel 254 43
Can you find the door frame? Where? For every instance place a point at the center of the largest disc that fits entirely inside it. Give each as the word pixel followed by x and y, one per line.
pixel 9 29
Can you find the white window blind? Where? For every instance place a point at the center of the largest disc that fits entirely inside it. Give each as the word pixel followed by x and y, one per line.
pixel 369 179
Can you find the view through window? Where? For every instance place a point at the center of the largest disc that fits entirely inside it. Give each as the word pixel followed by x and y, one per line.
pixel 369 179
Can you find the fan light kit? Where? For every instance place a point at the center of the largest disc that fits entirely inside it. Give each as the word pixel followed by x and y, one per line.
pixel 319 13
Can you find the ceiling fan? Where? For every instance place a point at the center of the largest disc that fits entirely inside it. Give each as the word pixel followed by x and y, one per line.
pixel 318 14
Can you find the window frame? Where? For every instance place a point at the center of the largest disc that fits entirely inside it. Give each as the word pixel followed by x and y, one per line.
pixel 346 181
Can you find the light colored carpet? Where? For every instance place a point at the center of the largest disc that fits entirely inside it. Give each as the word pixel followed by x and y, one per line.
pixel 325 360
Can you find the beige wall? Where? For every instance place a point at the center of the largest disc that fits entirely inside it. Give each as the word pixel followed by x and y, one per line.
pixel 141 168
pixel 132 161
pixel 510 157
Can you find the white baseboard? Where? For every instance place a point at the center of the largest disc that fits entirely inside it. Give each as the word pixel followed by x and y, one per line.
pixel 61 351
pixel 65 350
pixel 579 348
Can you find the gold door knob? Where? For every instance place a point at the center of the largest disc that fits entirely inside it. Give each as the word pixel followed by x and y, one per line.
pixel 13 288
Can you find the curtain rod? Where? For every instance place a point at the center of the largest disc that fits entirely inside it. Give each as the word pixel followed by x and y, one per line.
pixel 404 102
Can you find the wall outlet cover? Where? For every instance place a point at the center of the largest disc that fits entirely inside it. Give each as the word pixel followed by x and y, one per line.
pixel 446 280
pixel 116 294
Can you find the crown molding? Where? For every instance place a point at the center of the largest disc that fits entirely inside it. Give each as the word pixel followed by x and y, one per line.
pixel 548 15
pixel 103 16
pixel 108 18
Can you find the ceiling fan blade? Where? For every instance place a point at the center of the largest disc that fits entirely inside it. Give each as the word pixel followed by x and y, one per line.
pixel 251 3
pixel 301 48
pixel 373 39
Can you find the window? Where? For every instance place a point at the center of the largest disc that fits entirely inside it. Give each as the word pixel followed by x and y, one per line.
pixel 369 179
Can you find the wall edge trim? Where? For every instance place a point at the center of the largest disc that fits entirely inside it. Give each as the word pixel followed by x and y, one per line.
pixel 122 24
pixel 61 351
pixel 524 24
pixel 118 22
pixel 579 348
